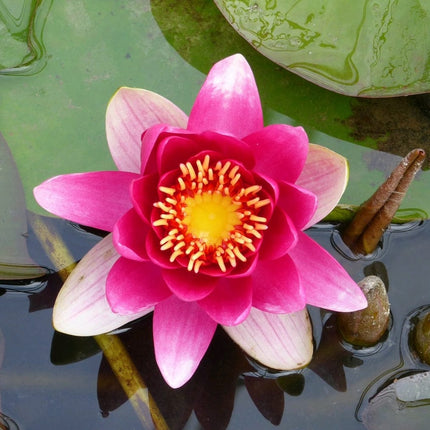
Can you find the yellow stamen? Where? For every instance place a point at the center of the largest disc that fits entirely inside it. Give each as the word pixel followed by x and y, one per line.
pixel 262 203
pixel 208 219
pixel 191 171
pixel 167 190
pixel 160 222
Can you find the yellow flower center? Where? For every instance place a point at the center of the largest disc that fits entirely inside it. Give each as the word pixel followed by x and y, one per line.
pixel 210 216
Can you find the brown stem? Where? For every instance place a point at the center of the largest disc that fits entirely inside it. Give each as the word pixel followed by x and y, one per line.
pixel 369 223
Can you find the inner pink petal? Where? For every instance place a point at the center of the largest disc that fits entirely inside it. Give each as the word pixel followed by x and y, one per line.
pixel 174 150
pixel 229 147
pixel 144 194
pixel 276 286
pixel 129 236
pixel 229 101
pixel 182 334
pixel 156 255
pixel 299 203
pixel 280 151
pixel 230 302
pixel 151 138
pixel 94 199
pixel 133 286
pixel 280 236
pixel 189 286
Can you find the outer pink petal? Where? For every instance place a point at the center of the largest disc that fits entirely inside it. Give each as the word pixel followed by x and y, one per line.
pixel 278 341
pixel 182 334
pixel 129 236
pixel 229 101
pixel 280 151
pixel 280 236
pixel 189 286
pixel 95 199
pixel 133 286
pixel 130 112
pixel 326 283
pixel 299 203
pixel 230 302
pixel 276 286
pixel 81 308
pixel 326 175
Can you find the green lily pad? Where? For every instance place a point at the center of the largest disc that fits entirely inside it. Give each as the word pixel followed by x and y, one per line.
pixel 21 26
pixel 363 48
pixel 15 263
pixel 54 120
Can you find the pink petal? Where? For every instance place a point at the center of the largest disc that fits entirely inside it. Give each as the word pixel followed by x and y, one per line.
pixel 182 334
pixel 229 101
pixel 129 236
pixel 326 283
pixel 276 286
pixel 95 199
pixel 280 236
pixel 130 112
pixel 325 174
pixel 299 203
pixel 189 286
pixel 81 308
pixel 278 341
pixel 156 255
pixel 280 151
pixel 230 302
pixel 229 147
pixel 144 193
pixel 174 150
pixel 151 138
pixel 244 268
pixel 134 286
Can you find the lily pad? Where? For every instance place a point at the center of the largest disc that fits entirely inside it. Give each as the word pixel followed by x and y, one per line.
pixel 367 48
pixel 21 26
pixel 15 263
pixel 54 120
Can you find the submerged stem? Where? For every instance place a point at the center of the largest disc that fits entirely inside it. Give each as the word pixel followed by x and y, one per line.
pixel 369 223
pixel 111 345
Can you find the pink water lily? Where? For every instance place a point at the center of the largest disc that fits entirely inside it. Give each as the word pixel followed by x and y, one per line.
pixel 207 216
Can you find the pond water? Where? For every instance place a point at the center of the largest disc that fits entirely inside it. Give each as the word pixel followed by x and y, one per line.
pixel 50 380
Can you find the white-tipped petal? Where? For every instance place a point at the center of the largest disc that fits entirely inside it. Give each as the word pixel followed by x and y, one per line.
pixel 130 112
pixel 278 341
pixel 326 175
pixel 81 308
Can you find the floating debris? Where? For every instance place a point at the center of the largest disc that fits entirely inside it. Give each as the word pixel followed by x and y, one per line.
pixel 404 404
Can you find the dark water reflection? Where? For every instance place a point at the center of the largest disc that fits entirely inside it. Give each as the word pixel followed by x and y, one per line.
pixel 51 380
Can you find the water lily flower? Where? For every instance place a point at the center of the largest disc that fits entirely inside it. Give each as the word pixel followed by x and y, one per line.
pixel 207 216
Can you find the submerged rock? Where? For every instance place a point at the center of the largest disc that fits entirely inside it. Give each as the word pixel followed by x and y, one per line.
pixel 367 326
pixel 422 338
